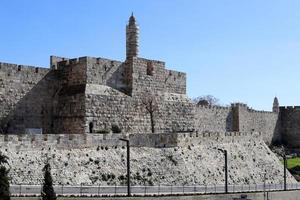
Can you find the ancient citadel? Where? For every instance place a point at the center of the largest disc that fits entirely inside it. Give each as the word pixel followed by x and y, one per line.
pixel 78 103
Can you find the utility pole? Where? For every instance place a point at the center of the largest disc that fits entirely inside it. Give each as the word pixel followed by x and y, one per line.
pixel 226 169
pixel 128 165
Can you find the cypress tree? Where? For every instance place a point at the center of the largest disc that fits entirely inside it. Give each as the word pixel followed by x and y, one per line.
pixel 48 190
pixel 4 180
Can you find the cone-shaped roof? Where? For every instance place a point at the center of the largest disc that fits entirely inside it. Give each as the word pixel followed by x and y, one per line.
pixel 132 20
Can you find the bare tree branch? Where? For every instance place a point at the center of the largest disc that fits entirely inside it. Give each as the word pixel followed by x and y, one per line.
pixel 149 102
pixel 206 100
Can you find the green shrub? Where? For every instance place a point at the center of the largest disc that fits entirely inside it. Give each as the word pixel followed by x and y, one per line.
pixel 104 177
pixel 170 157
pixel 103 131
pixel 4 180
pixel 115 128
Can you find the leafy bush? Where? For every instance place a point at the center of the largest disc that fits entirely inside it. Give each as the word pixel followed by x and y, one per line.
pixel 104 177
pixel 4 180
pixel 103 131
pixel 170 157
pixel 115 128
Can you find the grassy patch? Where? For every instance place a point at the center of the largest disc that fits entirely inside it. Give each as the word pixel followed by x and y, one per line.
pixel 292 162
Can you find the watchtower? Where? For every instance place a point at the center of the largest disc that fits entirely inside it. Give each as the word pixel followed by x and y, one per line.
pixel 275 105
pixel 132 37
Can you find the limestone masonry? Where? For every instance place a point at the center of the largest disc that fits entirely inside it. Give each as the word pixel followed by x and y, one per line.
pixel 83 105
pixel 190 159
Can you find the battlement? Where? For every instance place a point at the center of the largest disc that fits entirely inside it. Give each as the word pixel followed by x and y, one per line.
pixel 214 107
pixel 172 76
pixel 60 140
pixel 239 105
pixel 259 111
pixel 97 60
pixel 70 62
pixel 66 141
pixel 61 61
pixel 167 140
pixel 245 106
pixel 287 108
pixel 206 134
pixel 149 60
pixel 15 68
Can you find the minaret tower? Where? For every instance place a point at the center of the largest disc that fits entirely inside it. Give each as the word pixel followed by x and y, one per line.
pixel 132 37
pixel 275 105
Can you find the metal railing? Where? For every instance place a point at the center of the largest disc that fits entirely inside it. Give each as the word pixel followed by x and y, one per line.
pixel 98 190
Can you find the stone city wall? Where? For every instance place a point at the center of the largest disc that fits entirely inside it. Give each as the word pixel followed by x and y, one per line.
pixel 106 107
pixel 213 118
pixel 91 93
pixel 158 140
pixel 249 158
pixel 290 126
pixel 178 113
pixel 261 121
pixel 70 96
pixel 59 141
pixel 24 97
pixel 151 75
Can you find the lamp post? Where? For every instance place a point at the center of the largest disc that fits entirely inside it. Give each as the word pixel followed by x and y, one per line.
pixel 284 169
pixel 128 165
pixel 226 169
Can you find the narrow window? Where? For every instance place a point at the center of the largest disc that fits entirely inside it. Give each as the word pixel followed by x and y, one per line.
pixel 91 127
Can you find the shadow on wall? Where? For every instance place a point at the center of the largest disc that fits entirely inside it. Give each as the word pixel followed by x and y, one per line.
pixel 290 126
pixel 34 110
pixel 229 121
pixel 116 78
pixel 277 137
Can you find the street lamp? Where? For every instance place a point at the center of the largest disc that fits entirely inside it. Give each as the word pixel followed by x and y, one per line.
pixel 226 169
pixel 128 165
pixel 284 168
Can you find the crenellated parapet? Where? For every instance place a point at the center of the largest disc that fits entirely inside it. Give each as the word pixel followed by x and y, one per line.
pixel 249 109
pixel 214 107
pixel 60 141
pixel 10 70
pixel 165 140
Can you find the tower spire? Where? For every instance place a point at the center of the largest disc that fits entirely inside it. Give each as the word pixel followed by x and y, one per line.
pixel 132 37
pixel 275 105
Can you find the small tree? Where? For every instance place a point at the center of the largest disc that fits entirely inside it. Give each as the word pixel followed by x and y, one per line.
pixel 4 180
pixel 206 100
pixel 48 190
pixel 150 104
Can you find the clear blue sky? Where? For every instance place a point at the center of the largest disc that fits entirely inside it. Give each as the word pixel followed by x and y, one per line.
pixel 236 50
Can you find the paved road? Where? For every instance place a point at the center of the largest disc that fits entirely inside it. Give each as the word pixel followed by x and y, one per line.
pixel 141 190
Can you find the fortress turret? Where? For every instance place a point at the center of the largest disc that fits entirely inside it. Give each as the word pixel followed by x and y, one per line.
pixel 275 105
pixel 132 37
